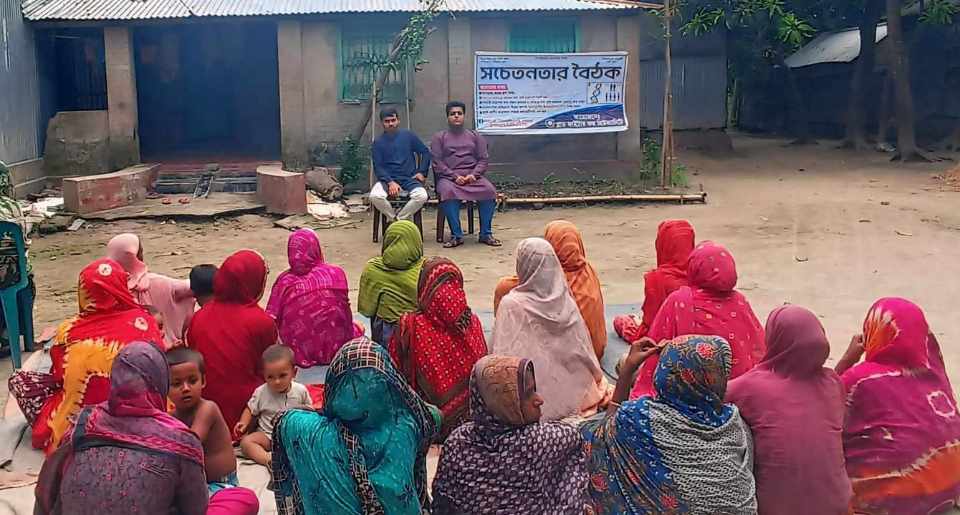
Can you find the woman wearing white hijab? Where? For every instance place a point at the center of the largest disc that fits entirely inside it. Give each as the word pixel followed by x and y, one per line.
pixel 539 320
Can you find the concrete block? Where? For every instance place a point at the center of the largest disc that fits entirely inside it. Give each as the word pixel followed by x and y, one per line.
pixel 282 192
pixel 28 177
pixel 78 143
pixel 93 193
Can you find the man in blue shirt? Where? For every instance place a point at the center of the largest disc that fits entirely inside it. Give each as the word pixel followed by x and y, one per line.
pixel 397 169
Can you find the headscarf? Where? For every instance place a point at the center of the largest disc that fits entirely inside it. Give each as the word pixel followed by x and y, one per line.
pixel 794 407
pixel 435 347
pixel 85 347
pixel 232 331
pixel 709 306
pixel 310 303
pixel 675 240
pixel 171 297
pixel 134 416
pixel 135 413
pixel 501 463
pixel 362 387
pixel 388 285
pixel 902 430
pixel 684 451
pixel 582 279
pixel 540 321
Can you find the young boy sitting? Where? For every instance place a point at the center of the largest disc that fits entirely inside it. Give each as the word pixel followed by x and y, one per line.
pixel 201 283
pixel 279 393
pixel 187 379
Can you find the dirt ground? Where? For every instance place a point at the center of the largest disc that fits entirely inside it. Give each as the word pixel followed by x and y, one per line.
pixel 825 228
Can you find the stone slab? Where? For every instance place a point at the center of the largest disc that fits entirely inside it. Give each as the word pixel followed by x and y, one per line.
pixel 217 204
pixel 83 195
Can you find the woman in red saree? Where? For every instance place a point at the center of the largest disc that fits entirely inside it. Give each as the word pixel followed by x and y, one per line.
pixel 84 349
pixel 709 306
pixel 675 240
pixel 901 435
pixel 435 347
pixel 232 331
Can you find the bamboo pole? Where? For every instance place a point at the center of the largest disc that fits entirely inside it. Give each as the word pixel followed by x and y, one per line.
pixel 373 130
pixel 666 149
pixel 687 197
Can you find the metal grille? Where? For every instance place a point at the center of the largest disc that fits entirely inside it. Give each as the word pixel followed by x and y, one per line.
pixel 362 53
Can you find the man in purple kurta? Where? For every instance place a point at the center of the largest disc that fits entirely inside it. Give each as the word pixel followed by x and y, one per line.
pixel 460 162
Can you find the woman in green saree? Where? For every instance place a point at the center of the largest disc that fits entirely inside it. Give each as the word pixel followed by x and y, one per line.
pixel 366 452
pixel 388 285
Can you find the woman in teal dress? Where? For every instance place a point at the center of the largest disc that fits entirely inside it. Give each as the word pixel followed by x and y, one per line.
pixel 365 453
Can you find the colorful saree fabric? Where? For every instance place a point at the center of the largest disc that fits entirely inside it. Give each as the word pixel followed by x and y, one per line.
pixel 675 240
pixel 232 331
pixel 366 453
pixel 709 306
pixel 85 347
pixel 388 285
pixel 794 407
pixel 171 297
pixel 103 465
pixel 684 451
pixel 539 320
pixel 310 304
pixel 436 347
pixel 902 433
pixel 499 463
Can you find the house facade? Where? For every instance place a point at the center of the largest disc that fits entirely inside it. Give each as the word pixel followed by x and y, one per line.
pixel 199 80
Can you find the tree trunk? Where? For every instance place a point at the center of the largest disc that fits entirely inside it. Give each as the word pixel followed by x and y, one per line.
pixel 883 118
pixel 798 111
pixel 357 133
pixel 856 134
pixel 907 149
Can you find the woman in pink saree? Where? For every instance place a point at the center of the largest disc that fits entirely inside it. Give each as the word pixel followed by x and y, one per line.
pixel 309 303
pixel 794 407
pixel 709 306
pixel 172 298
pixel 901 435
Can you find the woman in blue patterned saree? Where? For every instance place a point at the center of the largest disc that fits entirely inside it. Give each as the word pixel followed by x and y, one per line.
pixel 684 451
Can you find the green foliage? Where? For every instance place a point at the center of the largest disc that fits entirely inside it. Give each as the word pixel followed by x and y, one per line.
pixel 794 31
pixel 353 159
pixel 550 183
pixel 650 163
pixel 939 12
pixel 650 166
pixel 409 42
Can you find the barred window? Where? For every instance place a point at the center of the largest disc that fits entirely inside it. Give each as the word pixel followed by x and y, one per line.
pixel 362 51
pixel 558 35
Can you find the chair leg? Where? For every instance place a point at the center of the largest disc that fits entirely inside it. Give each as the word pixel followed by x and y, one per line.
pixel 12 317
pixel 470 227
pixel 27 307
pixel 376 225
pixel 418 219
pixel 441 222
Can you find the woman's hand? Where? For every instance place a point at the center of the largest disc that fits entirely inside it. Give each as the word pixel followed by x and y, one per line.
pixel 640 350
pixel 852 355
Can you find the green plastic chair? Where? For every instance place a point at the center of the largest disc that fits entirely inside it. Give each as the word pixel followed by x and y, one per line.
pixel 10 301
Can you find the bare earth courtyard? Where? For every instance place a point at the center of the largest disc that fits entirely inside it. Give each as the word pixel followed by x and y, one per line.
pixel 828 229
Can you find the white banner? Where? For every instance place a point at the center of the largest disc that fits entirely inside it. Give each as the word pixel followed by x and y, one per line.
pixel 550 93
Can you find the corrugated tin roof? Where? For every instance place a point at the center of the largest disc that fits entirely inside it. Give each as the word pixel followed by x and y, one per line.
pixel 832 47
pixel 102 10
